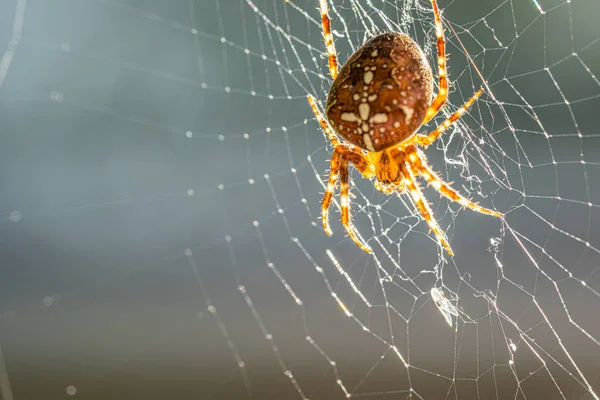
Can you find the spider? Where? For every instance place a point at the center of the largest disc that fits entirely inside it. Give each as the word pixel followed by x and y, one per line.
pixel 378 101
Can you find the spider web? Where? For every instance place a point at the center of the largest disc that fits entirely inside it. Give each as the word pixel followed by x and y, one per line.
pixel 188 258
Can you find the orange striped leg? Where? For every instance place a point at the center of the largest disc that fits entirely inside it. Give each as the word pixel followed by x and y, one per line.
pixel 426 140
pixel 321 119
pixel 359 160
pixel 342 154
pixel 422 205
pixel 450 193
pixel 345 200
pixel 333 176
pixel 442 95
pixel 329 44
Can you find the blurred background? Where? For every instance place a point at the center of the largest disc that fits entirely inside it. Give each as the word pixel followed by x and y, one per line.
pixel 162 173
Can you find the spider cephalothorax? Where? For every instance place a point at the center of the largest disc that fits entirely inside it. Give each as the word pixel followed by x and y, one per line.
pixel 377 102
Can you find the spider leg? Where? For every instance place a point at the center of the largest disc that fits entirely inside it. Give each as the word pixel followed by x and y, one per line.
pixel 442 95
pixel 426 140
pixel 425 171
pixel 422 205
pixel 321 119
pixel 333 176
pixel 329 44
pixel 345 202
pixel 339 160
pixel 339 165
pixel 360 161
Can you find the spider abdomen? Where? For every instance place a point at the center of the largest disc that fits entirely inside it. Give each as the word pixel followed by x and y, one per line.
pixel 382 93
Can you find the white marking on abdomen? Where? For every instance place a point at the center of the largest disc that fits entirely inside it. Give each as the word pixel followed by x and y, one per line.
pixel 380 118
pixel 349 117
pixel 364 110
pixel 408 112
pixel 368 143
pixel 368 77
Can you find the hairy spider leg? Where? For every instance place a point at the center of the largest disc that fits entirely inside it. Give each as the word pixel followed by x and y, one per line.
pixel 353 153
pixel 341 155
pixel 426 140
pixel 329 43
pixel 329 190
pixel 442 95
pixel 427 173
pixel 321 120
pixel 422 205
pixel 338 167
pixel 345 203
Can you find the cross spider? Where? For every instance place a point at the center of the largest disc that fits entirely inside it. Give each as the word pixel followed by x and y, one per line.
pixel 380 98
